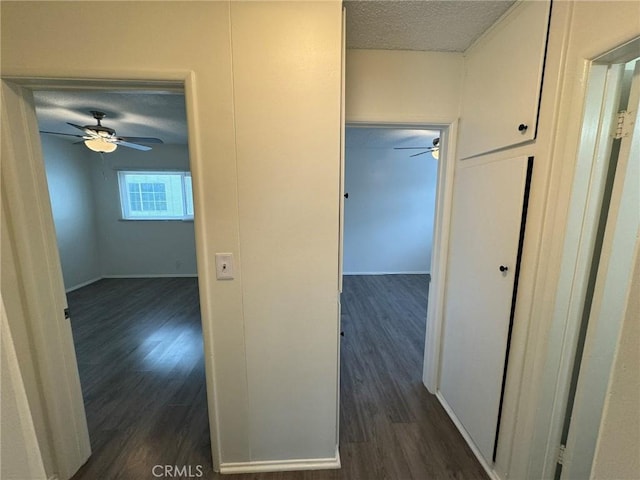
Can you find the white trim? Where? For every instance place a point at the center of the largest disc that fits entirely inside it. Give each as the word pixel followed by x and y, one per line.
pixel 439 258
pixel 38 263
pixel 420 272
pixel 610 299
pixel 343 133
pixel 153 275
pixel 487 468
pixel 83 284
pixel 205 279
pixel 282 465
pixel 592 160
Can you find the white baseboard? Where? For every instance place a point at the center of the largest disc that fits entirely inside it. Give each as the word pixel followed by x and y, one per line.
pixel 387 273
pixel 281 465
pixel 151 275
pixel 83 284
pixel 154 275
pixel 490 471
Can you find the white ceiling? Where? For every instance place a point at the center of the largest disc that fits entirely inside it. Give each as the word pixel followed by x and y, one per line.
pixel 386 138
pixel 431 25
pixel 130 113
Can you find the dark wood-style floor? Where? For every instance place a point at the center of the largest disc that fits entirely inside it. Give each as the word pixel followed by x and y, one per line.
pixel 140 355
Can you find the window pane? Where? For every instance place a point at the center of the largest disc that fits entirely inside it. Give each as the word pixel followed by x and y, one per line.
pixel 156 195
pixel 188 193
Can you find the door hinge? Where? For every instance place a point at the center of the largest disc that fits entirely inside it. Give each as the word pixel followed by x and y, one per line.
pixel 624 125
pixel 561 450
pixel 66 313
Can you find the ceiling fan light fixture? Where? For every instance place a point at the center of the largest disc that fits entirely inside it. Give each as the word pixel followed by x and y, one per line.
pixel 436 153
pixel 100 145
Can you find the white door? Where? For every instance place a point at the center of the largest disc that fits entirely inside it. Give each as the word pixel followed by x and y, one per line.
pixel 487 219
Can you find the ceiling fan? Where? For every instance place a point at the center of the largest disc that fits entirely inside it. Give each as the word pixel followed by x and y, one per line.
pixel 435 149
pixel 103 139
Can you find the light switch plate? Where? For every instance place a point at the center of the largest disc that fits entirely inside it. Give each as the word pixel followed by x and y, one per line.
pixel 224 266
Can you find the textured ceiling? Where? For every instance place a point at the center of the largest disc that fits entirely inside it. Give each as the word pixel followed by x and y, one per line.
pixel 430 25
pixel 130 113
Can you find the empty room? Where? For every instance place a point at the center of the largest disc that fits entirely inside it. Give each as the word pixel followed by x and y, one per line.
pixel 117 166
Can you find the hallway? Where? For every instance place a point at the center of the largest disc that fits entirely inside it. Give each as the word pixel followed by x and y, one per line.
pixel 137 342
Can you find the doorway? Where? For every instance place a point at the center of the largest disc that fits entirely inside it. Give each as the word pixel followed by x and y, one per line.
pixel 390 192
pixel 390 183
pixel 125 234
pixel 608 249
pixel 63 438
pixel 391 178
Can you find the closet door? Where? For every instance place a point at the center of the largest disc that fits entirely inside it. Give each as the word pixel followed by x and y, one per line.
pixel 489 203
pixel 503 82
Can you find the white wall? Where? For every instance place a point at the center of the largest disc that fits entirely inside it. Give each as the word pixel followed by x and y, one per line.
pixel 273 385
pixel 537 342
pixel 390 210
pixel 72 202
pixel 286 58
pixel 17 331
pixel 93 240
pixel 402 86
pixel 20 456
pixel 618 444
pixel 140 248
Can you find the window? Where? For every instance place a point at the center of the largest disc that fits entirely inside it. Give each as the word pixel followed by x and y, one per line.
pixel 156 195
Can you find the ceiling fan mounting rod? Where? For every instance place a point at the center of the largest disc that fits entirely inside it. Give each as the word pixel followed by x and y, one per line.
pixel 98 116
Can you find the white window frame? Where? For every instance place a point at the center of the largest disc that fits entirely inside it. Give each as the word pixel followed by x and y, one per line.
pixel 125 206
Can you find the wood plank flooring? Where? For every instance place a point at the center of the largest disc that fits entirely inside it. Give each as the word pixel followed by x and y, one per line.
pixel 139 350
pixel 140 355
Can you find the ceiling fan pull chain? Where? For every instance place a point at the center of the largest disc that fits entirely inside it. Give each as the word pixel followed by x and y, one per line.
pixel 104 162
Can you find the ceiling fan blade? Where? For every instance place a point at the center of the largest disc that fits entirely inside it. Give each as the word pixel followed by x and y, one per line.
pixel 421 153
pixel 86 130
pixel 141 139
pixel 144 148
pixel 65 134
pixel 411 148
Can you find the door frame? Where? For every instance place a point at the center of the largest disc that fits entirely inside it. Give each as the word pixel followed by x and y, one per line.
pixel 440 244
pixel 35 232
pixel 576 251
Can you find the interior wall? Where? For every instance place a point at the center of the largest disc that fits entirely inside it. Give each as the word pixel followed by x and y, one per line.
pixel 273 385
pixel 618 444
pixel 156 43
pixel 403 86
pixel 71 192
pixel 287 97
pixel 389 214
pixel 130 248
pixel 19 452
pixel 17 331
